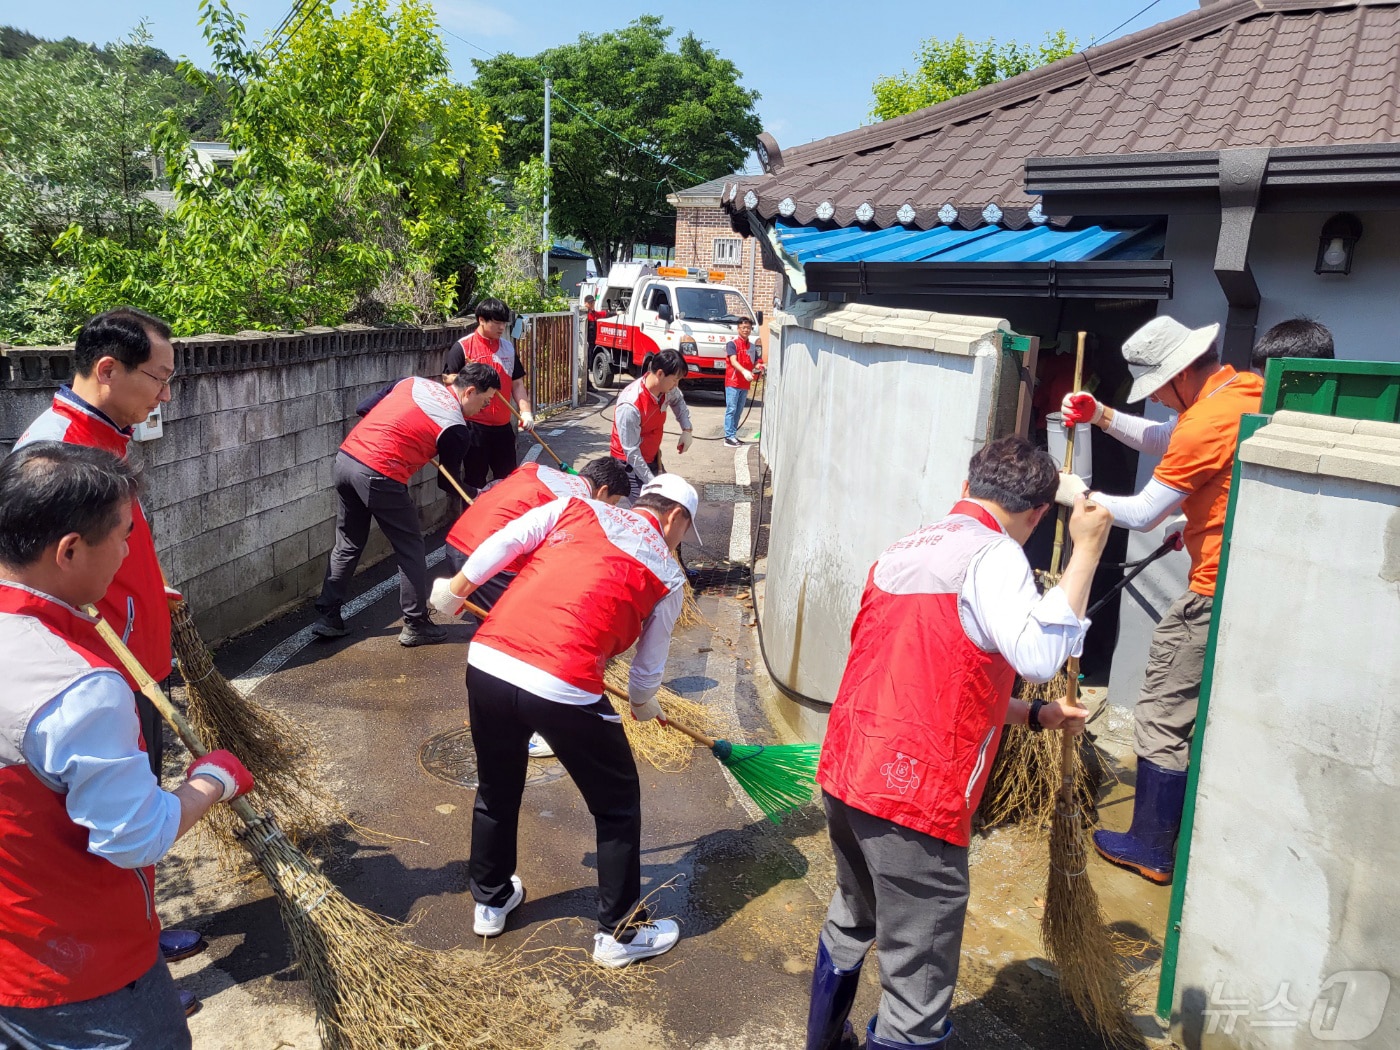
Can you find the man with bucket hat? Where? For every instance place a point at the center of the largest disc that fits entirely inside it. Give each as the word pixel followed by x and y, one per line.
pixel 1179 368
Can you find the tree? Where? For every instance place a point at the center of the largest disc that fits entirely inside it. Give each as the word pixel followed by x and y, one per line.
pixel 511 272
pixel 684 109
pixel 358 191
pixel 948 68
pixel 75 148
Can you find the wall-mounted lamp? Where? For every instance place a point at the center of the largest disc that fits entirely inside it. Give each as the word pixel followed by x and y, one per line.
pixel 1337 243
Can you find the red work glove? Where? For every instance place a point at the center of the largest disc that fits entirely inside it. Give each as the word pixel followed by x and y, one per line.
pixel 172 596
pixel 224 768
pixel 1080 408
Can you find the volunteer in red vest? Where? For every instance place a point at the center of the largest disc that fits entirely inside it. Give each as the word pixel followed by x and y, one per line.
pixel 592 316
pixel 639 418
pixel 493 437
pixel 1179 368
pixel 500 503
pixel 742 359
pixel 949 617
pixel 597 578
pixel 418 419
pixel 123 363
pixel 82 819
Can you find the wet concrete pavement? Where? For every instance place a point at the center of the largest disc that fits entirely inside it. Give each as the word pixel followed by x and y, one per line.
pixel 750 896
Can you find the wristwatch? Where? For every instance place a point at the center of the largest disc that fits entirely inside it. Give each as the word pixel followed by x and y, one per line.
pixel 1033 716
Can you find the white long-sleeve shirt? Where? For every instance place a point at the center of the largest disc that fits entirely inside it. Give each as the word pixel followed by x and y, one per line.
pixel 627 418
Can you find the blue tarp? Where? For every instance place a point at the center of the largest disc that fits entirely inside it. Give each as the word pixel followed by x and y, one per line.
pixel 987 244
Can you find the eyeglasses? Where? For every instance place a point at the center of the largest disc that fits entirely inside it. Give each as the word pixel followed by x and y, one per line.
pixel 164 383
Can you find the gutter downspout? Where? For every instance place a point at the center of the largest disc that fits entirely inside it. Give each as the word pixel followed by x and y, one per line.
pixel 1241 178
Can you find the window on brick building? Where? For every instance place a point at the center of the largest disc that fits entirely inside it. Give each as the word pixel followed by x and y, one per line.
pixel 729 251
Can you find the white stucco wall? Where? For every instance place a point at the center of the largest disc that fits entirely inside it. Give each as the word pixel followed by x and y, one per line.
pixel 871 417
pixel 1297 830
pixel 1362 309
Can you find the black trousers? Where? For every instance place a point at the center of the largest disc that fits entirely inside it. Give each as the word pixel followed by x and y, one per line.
pixel 493 450
pixel 591 745
pixel 487 595
pixel 634 480
pixel 152 732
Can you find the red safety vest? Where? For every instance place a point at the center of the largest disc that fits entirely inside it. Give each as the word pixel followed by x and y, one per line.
pixel 582 595
pixel 653 414
pixel 476 347
pixel 732 378
pixel 400 433
pixel 73 925
pixel 914 729
pixel 135 604
pixel 526 488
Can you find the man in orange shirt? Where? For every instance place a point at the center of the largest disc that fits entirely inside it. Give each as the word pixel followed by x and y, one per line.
pixel 1179 368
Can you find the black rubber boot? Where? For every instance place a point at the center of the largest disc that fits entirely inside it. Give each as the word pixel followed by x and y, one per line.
pixel 833 992
pixel 1148 847
pixel 872 1043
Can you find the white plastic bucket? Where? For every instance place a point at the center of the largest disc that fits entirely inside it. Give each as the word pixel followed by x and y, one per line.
pixel 1083 447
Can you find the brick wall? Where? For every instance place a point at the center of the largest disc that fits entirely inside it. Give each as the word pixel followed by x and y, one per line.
pixel 239 486
pixel 697 228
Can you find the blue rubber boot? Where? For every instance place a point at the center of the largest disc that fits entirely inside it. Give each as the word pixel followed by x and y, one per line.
pixel 1149 845
pixel 872 1043
pixel 833 992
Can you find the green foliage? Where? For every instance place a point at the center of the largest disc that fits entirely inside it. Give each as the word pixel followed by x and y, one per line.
pixel 75 149
pixel 949 68
pixel 685 106
pixel 511 272
pixel 357 192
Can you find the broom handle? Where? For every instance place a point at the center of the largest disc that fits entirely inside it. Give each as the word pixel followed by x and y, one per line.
pixel 699 738
pixel 455 483
pixel 1057 554
pixel 533 434
pixel 162 703
pixel 1067 742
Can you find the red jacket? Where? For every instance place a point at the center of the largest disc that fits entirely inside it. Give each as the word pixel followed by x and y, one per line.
pixel 653 413
pixel 400 433
pixel 732 378
pixel 135 605
pixel 476 347
pixel 526 488
pixel 914 729
pixel 73 925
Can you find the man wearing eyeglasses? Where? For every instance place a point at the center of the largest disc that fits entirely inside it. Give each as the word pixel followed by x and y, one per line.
pixel 123 363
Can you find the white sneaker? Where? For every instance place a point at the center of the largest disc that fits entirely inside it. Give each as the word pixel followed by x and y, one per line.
pixel 656 937
pixel 491 922
pixel 539 747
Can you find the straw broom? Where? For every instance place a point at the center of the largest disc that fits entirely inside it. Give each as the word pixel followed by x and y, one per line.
pixel 278 752
pixel 666 752
pixel 1073 930
pixel 374 989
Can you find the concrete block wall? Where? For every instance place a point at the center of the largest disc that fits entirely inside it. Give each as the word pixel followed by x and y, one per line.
pixel 1289 918
pixel 239 489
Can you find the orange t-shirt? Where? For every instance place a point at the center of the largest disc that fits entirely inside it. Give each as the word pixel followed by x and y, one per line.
pixel 1199 462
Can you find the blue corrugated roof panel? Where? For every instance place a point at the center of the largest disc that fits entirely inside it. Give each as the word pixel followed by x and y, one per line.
pixel 986 244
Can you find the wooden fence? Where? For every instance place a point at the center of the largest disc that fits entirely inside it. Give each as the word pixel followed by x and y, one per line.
pixel 547 348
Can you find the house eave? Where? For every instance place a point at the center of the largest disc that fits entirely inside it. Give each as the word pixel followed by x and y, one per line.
pixel 1095 279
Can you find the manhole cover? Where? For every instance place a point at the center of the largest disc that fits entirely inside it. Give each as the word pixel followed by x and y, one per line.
pixel 450 756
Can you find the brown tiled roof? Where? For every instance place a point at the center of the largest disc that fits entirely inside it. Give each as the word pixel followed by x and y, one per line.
pixel 1234 73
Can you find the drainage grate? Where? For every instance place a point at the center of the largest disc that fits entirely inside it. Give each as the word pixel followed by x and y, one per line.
pixel 725 578
pixel 721 493
pixel 450 756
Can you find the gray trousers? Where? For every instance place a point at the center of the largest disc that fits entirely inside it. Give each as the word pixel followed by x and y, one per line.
pixel 905 893
pixel 146 1014
pixel 363 494
pixel 1171 688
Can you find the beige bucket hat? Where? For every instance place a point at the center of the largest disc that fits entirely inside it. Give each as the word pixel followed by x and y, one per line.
pixel 1160 349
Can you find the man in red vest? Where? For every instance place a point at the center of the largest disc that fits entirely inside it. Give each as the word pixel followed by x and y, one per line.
pixel 123 363
pixel 492 435
pixel 949 617
pixel 499 504
pixel 417 420
pixel 740 365
pixel 596 578
pixel 639 418
pixel 82 819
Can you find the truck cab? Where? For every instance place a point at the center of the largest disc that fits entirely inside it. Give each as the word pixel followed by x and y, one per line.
pixel 655 308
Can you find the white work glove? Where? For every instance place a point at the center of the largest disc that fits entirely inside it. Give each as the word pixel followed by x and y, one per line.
pixel 1079 407
pixel 1071 486
pixel 686 438
pixel 443 600
pixel 527 420
pixel 644 704
pixel 1174 531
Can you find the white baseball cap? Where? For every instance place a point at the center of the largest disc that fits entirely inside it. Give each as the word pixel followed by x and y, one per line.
pixel 676 488
pixel 1161 349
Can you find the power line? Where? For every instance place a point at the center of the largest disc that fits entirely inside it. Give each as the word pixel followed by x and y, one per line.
pixel 310 9
pixel 1095 39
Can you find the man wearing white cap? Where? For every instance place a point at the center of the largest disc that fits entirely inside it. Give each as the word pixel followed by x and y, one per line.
pixel 595 579
pixel 1180 368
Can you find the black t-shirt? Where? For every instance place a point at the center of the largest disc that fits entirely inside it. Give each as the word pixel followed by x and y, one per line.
pixel 456 360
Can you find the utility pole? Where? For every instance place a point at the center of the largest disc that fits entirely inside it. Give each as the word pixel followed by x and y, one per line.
pixel 544 261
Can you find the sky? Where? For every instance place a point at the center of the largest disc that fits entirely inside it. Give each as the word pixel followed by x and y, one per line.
pixel 812 61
